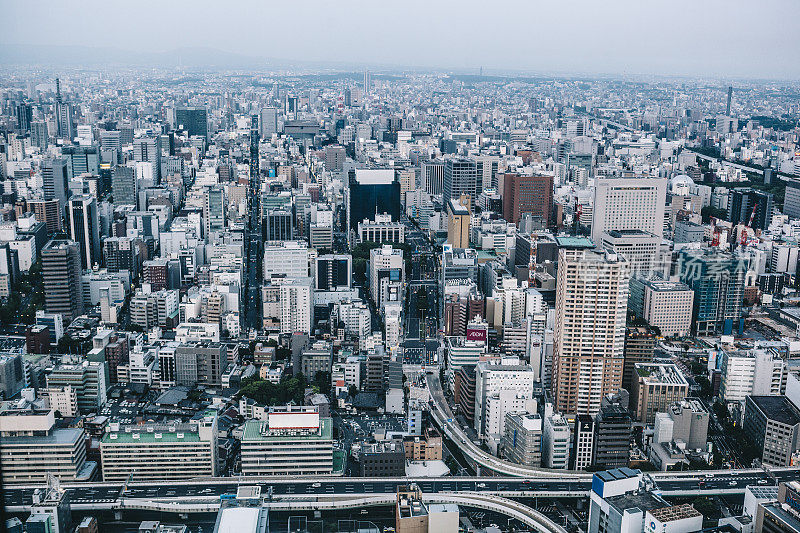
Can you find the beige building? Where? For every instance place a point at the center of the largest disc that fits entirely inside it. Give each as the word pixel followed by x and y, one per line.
pixel 589 336
pixel 659 385
pixel 667 305
pixel 458 219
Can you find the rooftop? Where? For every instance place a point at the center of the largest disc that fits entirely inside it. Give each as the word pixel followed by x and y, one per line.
pixel 777 408
pixel 675 512
pixel 574 242
pixel 253 432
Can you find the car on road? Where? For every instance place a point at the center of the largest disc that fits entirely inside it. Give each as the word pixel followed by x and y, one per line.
pixel 732 483
pixel 762 482
pixel 316 485
pixel 481 485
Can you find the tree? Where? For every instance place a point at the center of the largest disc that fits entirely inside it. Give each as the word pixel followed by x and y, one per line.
pixel 710 211
pixel 291 389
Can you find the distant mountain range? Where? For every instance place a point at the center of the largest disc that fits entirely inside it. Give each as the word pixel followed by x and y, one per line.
pixel 189 57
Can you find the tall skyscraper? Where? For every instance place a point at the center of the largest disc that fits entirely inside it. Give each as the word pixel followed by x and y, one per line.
pixel 49 212
pixel 214 210
pixel 61 272
pixel 460 177
pixel 589 336
pixel 372 192
pixel 39 135
pixel 149 149
pixel 81 160
pixel 84 229
pixel 367 82
pixel 717 279
pixel 192 120
pixel 24 115
pixel 124 187
pixel 433 177
pixel 527 195
pixel 628 203
pixel 278 225
pixel 745 203
pixel 269 122
pixel 54 178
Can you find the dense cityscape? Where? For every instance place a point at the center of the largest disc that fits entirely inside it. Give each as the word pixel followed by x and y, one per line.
pixel 397 300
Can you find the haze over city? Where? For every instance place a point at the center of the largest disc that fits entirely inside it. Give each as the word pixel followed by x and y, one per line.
pixel 737 39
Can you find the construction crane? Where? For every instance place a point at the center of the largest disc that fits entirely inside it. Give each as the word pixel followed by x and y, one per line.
pixel 744 237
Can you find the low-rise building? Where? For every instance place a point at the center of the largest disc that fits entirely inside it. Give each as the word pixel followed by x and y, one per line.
pixel 163 451
pixel 293 440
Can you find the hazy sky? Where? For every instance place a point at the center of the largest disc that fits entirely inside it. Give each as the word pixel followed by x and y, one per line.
pixel 737 38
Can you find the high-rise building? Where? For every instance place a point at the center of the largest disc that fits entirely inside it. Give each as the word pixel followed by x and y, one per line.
pixel 289 259
pixel 84 229
pixel 148 149
pixel 87 379
pixel 49 213
pixel 628 203
pixel 61 271
pixel 582 443
pixel 386 275
pixel 745 204
pixel 367 82
pixel 640 342
pixel 666 305
pixel 522 439
pixel 65 126
pixel 433 177
pixel 213 210
pixel 656 387
pixel 555 442
pixel 200 363
pixel 460 177
pixel 278 225
pixel 458 222
pixel 372 192
pixel 296 305
pixel 124 186
pixel 333 272
pixel 527 195
pixel 192 120
pixel 39 134
pixel 772 424
pixel 717 279
pixel 335 156
pixel 54 178
pixel 492 380
pixel 613 430
pixel 269 122
pixel 23 112
pixel 589 336
pixel 81 160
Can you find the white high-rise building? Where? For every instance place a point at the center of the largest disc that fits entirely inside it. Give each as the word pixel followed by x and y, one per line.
pixel 493 378
pixel 297 301
pixel 555 442
pixel 589 337
pixel 628 204
pixel 386 275
pixel 288 259
pixel 756 372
